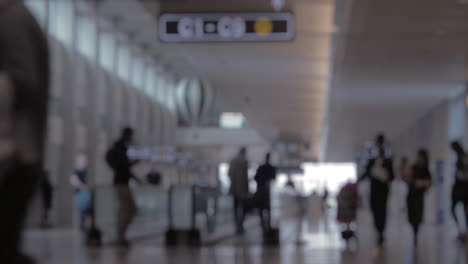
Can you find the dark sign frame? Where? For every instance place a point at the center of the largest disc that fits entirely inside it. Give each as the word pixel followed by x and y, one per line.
pixel 283 27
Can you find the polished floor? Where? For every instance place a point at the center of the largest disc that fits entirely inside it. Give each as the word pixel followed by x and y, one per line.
pixel 319 242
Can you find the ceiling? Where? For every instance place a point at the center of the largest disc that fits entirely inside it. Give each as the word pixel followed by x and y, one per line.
pixel 280 87
pixel 398 59
pixel 392 61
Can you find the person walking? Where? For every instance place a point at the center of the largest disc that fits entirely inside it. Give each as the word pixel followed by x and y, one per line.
pixel 24 91
pixel 460 187
pixel 379 170
pixel 238 173
pixel 122 165
pixel 83 196
pixel 266 173
pixel 419 181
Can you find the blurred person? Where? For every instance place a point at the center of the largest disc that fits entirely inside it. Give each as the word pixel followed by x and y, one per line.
pixel 419 180
pixel 290 182
pixel 47 192
pixel 266 173
pixel 325 200
pixel 404 174
pixel 460 187
pixel 238 173
pixel 405 169
pixel 83 195
pixel 24 85
pixel 380 172
pixel 122 165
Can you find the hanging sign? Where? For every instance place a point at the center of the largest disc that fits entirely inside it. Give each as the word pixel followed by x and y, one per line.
pixel 226 27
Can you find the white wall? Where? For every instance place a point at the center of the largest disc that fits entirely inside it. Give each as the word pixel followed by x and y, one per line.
pixel 434 131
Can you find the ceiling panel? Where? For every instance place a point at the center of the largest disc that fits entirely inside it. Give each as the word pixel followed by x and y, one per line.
pixel 279 86
pixel 399 59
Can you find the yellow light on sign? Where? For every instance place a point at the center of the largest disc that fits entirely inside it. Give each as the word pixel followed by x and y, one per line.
pixel 263 26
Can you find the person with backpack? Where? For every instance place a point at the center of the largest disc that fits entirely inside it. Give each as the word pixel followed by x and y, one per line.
pixel 419 180
pixel 379 170
pixel 121 165
pixel 460 187
pixel 24 93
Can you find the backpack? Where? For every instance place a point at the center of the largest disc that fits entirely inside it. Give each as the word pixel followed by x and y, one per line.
pixel 111 157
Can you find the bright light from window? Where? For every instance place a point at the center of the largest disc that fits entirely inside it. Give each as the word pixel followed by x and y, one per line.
pixel 316 177
pixel 63 12
pixel 137 72
pixel 224 180
pixel 230 120
pixel 123 67
pixel 39 9
pixel 87 29
pixel 107 51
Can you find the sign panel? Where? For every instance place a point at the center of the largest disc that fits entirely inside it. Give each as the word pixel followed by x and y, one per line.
pixel 226 27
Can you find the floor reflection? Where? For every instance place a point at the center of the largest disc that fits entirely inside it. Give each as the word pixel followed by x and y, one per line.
pixel 322 244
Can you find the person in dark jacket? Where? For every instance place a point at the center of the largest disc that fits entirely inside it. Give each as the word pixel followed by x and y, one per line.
pixel 122 167
pixel 379 170
pixel 24 61
pixel 460 187
pixel 239 189
pixel 266 173
pixel 418 181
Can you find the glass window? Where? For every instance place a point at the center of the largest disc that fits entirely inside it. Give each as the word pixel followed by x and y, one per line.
pixel 63 16
pixel 161 89
pixel 170 94
pixel 107 47
pixel 123 62
pixel 87 33
pixel 150 81
pixel 39 10
pixel 137 72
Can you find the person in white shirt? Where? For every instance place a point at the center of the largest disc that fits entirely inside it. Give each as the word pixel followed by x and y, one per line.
pixel 379 170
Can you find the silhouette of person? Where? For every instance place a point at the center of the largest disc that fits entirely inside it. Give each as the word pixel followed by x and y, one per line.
pixel 460 187
pixel 24 69
pixel 418 182
pixel 238 173
pixel 122 176
pixel 266 173
pixel 379 170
